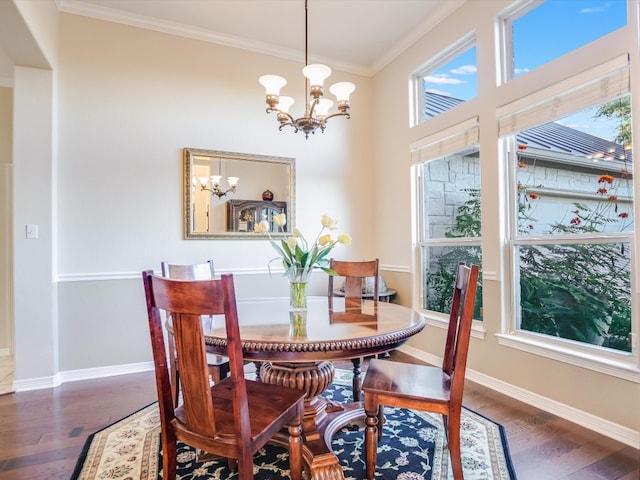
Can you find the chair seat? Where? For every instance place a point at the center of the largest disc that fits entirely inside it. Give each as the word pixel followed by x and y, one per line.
pixel 267 403
pixel 406 382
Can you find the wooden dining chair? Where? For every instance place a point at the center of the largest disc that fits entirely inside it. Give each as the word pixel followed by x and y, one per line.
pixel 423 387
pixel 355 275
pixel 233 418
pixel 218 364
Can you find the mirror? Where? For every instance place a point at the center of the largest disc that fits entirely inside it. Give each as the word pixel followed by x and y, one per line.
pixel 226 194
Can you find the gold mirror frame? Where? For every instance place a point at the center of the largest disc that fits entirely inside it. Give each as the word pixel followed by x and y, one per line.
pixel 231 162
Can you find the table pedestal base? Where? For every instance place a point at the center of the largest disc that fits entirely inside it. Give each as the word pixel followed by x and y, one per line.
pixel 322 418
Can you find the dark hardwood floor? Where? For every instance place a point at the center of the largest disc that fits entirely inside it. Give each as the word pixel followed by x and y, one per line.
pixel 42 432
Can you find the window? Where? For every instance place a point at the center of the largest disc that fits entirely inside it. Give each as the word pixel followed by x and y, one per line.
pixel 449 81
pixel 541 32
pixel 573 225
pixel 450 225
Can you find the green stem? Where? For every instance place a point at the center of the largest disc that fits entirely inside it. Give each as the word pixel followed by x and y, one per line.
pixel 298 296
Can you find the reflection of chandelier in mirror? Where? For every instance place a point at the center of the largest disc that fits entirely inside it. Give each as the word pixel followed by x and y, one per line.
pixel 316 111
pixel 212 184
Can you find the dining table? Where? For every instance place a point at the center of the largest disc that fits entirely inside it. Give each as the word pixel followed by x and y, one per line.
pixel 297 350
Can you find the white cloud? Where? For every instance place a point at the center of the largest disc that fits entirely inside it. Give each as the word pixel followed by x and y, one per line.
pixel 465 70
pixel 442 79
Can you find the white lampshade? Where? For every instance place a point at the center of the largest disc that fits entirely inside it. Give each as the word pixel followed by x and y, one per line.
pixel 233 181
pixel 323 106
pixel 316 73
pixel 342 90
pixel 215 179
pixel 203 181
pixel 285 103
pixel 272 83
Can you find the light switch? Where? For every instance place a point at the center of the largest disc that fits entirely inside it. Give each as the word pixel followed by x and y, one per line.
pixel 32 231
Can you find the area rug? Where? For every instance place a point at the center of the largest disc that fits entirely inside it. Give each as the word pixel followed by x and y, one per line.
pixel 413 447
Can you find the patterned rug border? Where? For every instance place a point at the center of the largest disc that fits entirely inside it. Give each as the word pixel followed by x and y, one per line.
pixel 342 378
pixel 87 444
pixel 503 440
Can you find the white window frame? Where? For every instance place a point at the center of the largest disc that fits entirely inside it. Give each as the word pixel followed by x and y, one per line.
pixel 447 141
pixel 416 114
pixel 597 85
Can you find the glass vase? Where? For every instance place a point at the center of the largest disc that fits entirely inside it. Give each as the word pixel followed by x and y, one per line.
pixel 298 280
pixel 297 296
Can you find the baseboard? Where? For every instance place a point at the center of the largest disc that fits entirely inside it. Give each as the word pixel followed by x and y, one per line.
pixel 77 375
pixel 100 372
pixel 618 432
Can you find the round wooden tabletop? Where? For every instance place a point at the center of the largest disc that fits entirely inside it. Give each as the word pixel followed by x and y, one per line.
pixel 333 331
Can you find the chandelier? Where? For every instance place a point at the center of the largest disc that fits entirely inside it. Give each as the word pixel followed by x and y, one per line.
pixel 212 184
pixel 316 111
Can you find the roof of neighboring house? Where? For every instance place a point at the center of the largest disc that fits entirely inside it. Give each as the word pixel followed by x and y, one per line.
pixel 552 135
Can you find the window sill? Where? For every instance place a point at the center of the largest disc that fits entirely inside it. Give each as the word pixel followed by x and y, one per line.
pixel 615 364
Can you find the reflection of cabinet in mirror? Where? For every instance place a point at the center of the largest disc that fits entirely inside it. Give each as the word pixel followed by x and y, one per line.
pixel 243 215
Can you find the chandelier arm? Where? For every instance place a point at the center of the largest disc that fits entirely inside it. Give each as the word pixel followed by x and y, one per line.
pixel 219 193
pixel 338 114
pixel 312 108
pixel 281 113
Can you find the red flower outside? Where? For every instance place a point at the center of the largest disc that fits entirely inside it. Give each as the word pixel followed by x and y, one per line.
pixel 605 179
pixel 576 221
pixel 623 215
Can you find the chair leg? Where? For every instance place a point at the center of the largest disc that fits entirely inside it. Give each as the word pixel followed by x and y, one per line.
pixel 357 379
pixel 371 436
pixel 169 455
pixel 453 435
pixel 245 467
pixel 380 421
pixel 295 451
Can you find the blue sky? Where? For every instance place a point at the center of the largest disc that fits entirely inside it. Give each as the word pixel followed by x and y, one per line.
pixel 549 31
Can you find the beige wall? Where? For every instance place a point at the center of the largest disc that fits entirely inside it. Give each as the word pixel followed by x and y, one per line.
pixel 126 101
pixel 571 386
pixel 6 303
pixel 130 101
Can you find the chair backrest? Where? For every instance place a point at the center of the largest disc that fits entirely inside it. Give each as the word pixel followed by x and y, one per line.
pixel 196 271
pixel 187 301
pixel 460 320
pixel 354 274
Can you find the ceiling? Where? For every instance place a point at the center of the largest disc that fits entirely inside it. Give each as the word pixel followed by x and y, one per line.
pixel 358 36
